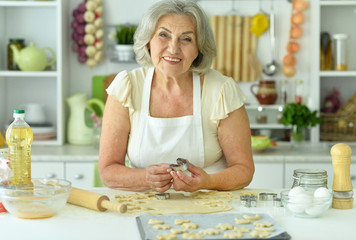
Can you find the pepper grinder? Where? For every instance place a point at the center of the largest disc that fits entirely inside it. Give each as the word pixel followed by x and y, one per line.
pixel 342 186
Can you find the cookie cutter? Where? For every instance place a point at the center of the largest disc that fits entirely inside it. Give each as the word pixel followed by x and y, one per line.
pixel 182 165
pixel 248 200
pixel 277 202
pixel 267 196
pixel 162 196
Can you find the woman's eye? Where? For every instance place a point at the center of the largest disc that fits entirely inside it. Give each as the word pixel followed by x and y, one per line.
pixel 163 34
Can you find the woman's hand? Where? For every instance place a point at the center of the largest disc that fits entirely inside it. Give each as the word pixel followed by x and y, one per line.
pixel 198 180
pixel 158 178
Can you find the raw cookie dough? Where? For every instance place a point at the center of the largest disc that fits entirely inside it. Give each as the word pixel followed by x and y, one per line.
pixel 225 226
pixel 210 231
pixel 248 217
pixel 259 234
pixel 178 230
pixel 155 221
pixel 241 229
pixel 233 235
pixel 162 227
pixel 192 235
pixel 242 221
pixel 190 225
pixel 166 236
pixel 263 224
pixel 265 229
pixel 181 221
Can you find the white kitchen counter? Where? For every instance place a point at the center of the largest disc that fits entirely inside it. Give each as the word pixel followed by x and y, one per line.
pixel 280 153
pixel 75 223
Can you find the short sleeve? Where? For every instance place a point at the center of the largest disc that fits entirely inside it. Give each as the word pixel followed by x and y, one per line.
pixel 231 98
pixel 121 89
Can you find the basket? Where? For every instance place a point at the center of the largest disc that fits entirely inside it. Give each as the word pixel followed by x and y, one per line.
pixel 349 107
pixel 338 127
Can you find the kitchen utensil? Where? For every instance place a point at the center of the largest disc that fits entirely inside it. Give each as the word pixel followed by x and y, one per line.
pixel 266 93
pixel 181 165
pixel 32 58
pixel 342 185
pixel 80 128
pixel 271 68
pixel 43 199
pixel 94 201
pixel 255 65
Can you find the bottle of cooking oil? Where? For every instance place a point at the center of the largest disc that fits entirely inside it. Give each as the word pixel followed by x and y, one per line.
pixel 19 137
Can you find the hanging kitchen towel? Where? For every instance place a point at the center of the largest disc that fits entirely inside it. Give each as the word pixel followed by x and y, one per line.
pixel 234 43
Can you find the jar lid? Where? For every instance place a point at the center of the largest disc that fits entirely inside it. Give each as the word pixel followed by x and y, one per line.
pixel 340 36
pixel 17 40
pixel 310 174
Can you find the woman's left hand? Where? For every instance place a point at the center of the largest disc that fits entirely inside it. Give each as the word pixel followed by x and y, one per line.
pixel 183 182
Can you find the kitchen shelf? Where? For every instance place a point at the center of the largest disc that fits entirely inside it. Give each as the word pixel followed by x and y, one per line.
pixel 337 3
pixel 268 126
pixel 267 107
pixel 28 74
pixel 351 73
pixel 28 3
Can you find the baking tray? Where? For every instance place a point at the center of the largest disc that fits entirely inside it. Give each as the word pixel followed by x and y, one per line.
pixel 206 221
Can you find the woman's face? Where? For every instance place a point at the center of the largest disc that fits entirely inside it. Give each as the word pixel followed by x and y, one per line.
pixel 173 45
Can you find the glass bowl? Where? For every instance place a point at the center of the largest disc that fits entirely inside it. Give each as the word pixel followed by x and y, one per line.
pixel 306 205
pixel 43 199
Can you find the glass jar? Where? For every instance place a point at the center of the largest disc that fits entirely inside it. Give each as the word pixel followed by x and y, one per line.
pixel 284 91
pixel 19 43
pixel 340 52
pixel 310 179
pixel 261 117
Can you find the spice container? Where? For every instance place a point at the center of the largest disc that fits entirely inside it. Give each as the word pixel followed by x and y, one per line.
pixel 310 179
pixel 19 43
pixel 261 117
pixel 340 52
pixel 283 91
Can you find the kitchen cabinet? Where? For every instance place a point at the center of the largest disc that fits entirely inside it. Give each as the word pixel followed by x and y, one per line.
pixel 47 170
pixel 332 17
pixel 20 19
pixel 80 174
pixel 268 175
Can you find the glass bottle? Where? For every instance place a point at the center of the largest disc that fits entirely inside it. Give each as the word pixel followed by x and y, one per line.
pixel 19 43
pixel 19 138
pixel 299 91
pixel 340 52
pixel 284 91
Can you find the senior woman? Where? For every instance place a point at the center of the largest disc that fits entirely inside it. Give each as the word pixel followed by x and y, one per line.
pixel 175 106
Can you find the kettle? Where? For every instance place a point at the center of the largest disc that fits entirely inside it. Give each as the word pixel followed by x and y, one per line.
pixel 32 58
pixel 80 126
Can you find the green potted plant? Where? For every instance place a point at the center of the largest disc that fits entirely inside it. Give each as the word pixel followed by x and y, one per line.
pixel 124 40
pixel 300 117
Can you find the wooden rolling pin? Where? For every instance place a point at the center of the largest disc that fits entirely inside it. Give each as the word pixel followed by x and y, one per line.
pixel 94 201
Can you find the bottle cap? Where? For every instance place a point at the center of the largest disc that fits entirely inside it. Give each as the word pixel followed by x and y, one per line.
pixel 19 111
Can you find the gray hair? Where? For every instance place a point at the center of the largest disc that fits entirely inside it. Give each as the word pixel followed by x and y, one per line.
pixel 205 36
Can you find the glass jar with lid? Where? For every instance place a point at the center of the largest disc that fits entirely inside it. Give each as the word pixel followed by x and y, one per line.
pixel 19 43
pixel 310 179
pixel 340 52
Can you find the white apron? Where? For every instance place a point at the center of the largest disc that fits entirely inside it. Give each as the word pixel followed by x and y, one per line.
pixel 163 140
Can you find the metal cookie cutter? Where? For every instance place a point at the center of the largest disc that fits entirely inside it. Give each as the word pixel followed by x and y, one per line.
pixel 248 200
pixel 182 164
pixel 267 196
pixel 162 196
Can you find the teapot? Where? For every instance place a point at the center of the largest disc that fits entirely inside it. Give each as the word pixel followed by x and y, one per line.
pixel 32 58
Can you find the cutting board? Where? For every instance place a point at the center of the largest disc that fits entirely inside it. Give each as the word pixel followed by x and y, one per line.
pixel 234 43
pixel 148 232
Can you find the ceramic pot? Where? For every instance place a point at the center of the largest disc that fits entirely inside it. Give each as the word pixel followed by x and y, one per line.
pixel 266 93
pixel 125 52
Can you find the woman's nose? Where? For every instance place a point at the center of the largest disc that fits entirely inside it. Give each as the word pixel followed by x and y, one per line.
pixel 173 46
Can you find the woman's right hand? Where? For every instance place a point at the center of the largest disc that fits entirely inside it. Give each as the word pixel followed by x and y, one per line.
pixel 158 178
